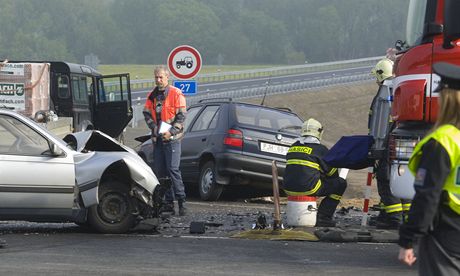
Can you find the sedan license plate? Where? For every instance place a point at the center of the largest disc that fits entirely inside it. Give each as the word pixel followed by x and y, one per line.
pixel 272 148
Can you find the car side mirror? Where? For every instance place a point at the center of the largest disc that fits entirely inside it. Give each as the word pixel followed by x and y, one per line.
pixel 400 45
pixel 56 150
pixel 43 116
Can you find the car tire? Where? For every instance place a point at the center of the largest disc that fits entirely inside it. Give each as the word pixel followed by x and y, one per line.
pixel 113 213
pixel 207 185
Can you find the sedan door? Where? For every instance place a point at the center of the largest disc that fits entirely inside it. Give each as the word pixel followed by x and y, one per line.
pixel 34 183
pixel 196 141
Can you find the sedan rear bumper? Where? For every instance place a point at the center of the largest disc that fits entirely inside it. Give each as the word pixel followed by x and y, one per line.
pixel 244 169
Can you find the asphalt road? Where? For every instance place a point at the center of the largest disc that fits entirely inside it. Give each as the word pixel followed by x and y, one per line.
pixel 66 249
pixel 134 254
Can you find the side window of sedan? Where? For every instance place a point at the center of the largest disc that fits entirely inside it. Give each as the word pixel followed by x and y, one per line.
pixel 191 113
pixel 16 138
pixel 207 119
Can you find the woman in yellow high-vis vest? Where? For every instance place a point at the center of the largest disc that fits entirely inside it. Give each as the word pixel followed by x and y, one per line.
pixel 434 217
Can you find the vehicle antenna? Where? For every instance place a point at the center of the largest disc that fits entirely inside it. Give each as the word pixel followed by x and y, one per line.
pixel 266 89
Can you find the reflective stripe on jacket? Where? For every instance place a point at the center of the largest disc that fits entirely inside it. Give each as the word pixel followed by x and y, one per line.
pixel 304 168
pixel 174 100
pixel 173 110
pixel 448 136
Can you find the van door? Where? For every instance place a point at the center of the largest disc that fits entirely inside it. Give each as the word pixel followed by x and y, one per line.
pixel 80 101
pixel 113 110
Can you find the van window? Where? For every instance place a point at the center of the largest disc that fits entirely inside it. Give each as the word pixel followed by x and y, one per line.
pixel 80 89
pixel 113 89
pixel 63 87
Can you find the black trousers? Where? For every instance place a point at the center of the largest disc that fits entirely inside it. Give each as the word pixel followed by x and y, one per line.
pixel 332 189
pixel 434 260
pixel 166 163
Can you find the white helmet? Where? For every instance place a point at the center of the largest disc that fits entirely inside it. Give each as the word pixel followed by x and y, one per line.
pixel 312 127
pixel 383 69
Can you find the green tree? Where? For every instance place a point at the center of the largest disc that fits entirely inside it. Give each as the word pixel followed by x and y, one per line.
pixel 240 31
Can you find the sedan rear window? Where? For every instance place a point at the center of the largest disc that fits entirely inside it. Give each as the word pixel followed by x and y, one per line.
pixel 264 117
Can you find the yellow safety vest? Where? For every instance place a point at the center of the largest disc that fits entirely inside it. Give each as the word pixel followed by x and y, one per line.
pixel 449 138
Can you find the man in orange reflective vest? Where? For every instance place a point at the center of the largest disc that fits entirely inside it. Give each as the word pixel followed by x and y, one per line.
pixel 164 113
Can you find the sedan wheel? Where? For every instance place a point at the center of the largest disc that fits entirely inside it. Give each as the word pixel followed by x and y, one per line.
pixel 113 213
pixel 209 189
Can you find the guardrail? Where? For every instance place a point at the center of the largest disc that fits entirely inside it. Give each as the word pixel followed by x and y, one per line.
pixel 274 71
pixel 259 91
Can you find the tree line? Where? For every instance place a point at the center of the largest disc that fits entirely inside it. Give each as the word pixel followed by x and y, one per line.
pixel 224 31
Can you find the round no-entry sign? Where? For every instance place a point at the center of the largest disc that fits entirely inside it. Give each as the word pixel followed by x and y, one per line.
pixel 184 62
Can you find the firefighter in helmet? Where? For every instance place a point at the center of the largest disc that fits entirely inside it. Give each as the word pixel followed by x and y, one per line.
pixel 307 174
pixel 392 208
pixel 383 70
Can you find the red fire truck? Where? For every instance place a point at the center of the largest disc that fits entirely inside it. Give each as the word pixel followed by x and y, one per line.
pixel 432 32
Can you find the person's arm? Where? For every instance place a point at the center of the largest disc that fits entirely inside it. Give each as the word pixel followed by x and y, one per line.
pixel 177 125
pixel 407 256
pixel 429 181
pixel 325 169
pixel 147 112
pixel 179 119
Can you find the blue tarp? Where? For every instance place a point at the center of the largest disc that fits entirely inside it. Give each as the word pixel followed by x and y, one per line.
pixel 350 152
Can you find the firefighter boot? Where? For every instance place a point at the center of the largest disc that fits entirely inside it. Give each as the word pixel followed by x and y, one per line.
pixel 324 221
pixel 182 208
pixel 389 221
pixel 375 219
pixel 167 208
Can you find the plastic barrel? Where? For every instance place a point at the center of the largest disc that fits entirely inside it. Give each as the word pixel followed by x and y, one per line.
pixel 301 211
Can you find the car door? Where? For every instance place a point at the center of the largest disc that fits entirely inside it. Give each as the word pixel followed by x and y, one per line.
pixel 33 182
pixel 196 141
pixel 113 109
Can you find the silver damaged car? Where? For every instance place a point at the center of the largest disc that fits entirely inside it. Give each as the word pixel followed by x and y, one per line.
pixel 87 178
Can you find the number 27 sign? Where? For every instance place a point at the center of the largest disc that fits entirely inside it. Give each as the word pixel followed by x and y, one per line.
pixel 187 87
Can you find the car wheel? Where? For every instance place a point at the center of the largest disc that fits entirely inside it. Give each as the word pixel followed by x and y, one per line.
pixel 209 189
pixel 113 213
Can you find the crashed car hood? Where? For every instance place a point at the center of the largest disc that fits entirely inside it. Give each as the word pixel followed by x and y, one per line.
pixel 97 151
pixel 94 140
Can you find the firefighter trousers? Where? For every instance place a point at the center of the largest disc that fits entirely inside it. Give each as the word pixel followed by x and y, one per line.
pixel 392 205
pixel 332 189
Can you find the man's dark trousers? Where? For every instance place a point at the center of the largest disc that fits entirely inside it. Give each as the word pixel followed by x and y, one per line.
pixel 166 163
